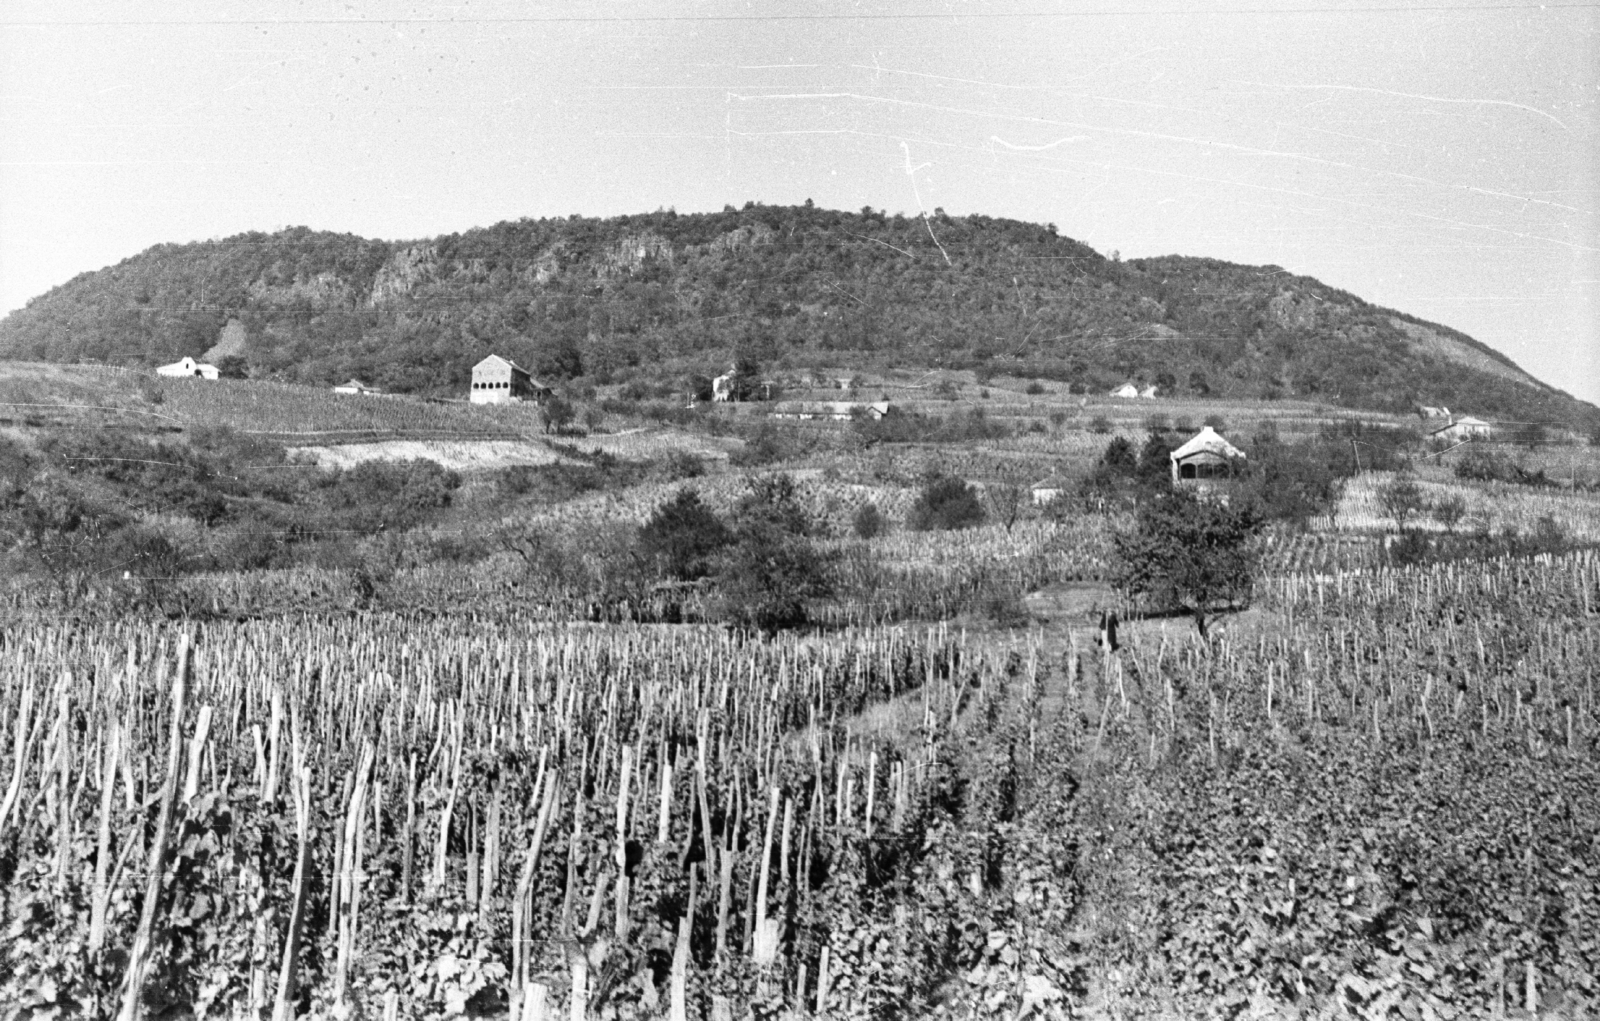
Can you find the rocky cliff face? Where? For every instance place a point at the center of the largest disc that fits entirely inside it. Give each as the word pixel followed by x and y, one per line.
pixel 398 277
pixel 632 253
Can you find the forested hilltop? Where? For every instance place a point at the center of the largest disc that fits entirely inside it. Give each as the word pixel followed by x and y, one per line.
pixel 659 295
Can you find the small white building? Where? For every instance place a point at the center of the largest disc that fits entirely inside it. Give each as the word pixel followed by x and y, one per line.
pixel 355 386
pixel 188 367
pixel 1127 390
pixel 1047 490
pixel 1464 428
pixel 1204 457
pixel 1149 392
pixel 722 388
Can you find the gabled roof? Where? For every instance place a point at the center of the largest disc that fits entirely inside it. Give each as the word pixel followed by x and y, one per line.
pixel 1206 441
pixel 492 359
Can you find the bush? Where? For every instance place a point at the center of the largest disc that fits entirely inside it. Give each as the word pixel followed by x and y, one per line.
pixel 867 522
pixel 681 464
pixel 1034 388
pixel 766 445
pixel 388 495
pixel 945 503
pixel 1100 425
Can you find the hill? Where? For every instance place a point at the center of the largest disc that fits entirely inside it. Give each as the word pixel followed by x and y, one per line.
pixel 660 296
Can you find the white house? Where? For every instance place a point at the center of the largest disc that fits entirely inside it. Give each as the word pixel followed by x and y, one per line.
pixel 1047 490
pixel 1464 428
pixel 1125 390
pixel 1205 456
pixel 355 386
pixel 1149 392
pixel 722 387
pixel 188 367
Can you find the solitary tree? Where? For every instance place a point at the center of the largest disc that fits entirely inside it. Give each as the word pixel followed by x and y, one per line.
pixel 1401 499
pixel 558 414
pixel 1449 511
pixel 770 572
pixel 1006 499
pixel 1188 553
pixel 683 536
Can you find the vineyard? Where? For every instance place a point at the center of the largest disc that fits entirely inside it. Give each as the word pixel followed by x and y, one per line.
pixel 1384 804
pixel 372 708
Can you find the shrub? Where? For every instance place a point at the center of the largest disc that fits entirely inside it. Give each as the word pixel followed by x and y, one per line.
pixel 383 495
pixel 1034 388
pixel 766 445
pixel 945 503
pixel 1100 425
pixel 775 500
pixel 868 521
pixel 681 464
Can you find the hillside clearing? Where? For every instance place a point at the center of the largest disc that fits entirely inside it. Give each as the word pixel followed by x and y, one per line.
pixel 457 455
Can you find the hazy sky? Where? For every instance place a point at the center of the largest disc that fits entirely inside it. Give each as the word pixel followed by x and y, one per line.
pixel 1439 158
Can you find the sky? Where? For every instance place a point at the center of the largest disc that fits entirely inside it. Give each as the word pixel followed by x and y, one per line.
pixel 1438 158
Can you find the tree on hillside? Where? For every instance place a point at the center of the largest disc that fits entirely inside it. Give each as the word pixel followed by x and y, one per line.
pixel 945 503
pixel 770 572
pixel 558 414
pixel 1401 499
pixel 682 537
pixel 1188 553
pixel 1006 498
pixel 1155 462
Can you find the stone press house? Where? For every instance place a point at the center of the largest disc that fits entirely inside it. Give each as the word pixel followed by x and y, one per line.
pixel 497 380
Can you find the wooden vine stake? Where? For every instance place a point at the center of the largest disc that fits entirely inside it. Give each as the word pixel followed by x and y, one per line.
pixel 348 884
pixel 197 747
pixel 622 846
pixel 143 940
pixel 679 1001
pixel 102 861
pixel 19 754
pixel 283 1003
pixel 522 908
